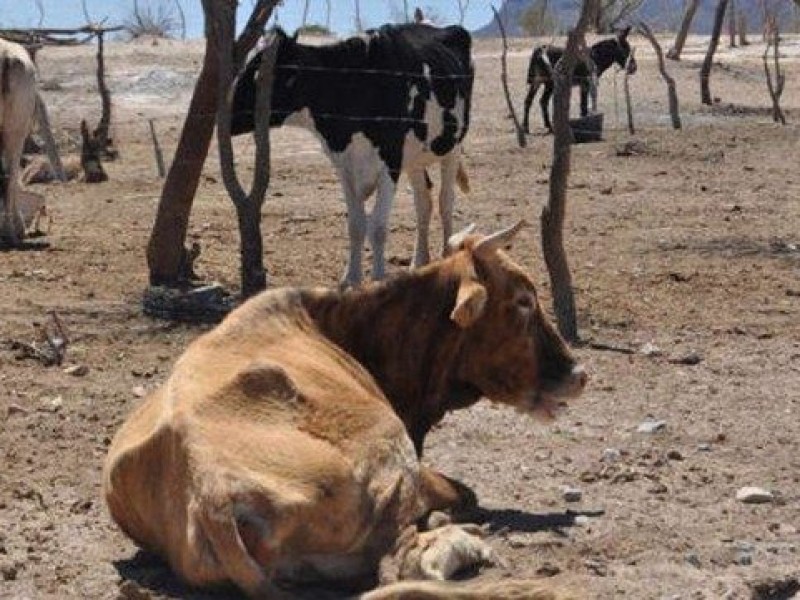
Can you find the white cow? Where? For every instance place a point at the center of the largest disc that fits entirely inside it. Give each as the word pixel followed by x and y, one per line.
pixel 17 107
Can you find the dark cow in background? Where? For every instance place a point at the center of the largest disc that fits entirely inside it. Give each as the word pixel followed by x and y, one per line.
pixel 396 99
pixel 603 54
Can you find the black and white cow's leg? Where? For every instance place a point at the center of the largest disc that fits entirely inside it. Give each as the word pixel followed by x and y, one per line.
pixel 356 231
pixel 447 195
pixel 423 204
pixel 544 102
pixel 379 223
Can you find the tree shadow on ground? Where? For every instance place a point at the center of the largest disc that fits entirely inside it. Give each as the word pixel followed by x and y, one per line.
pixel 509 519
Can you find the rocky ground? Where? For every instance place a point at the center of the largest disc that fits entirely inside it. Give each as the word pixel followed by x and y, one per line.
pixel 685 250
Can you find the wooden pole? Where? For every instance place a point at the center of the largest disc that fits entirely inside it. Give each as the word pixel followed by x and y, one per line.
pixel 157 150
pixel 504 79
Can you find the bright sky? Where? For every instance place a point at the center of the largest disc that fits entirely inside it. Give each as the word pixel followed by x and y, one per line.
pixel 69 13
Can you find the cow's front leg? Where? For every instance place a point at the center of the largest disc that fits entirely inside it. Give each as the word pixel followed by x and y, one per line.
pixel 356 231
pixel 440 492
pixel 423 205
pixel 379 224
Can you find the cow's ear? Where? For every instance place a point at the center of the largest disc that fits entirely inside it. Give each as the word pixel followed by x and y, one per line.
pixel 623 33
pixel 456 241
pixel 470 303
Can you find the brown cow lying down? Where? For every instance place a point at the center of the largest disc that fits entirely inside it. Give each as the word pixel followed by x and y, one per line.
pixel 278 452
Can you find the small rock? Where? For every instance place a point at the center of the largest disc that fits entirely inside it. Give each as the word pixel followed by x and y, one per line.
pixel 8 572
pixel 754 495
pixel 690 359
pixel 548 570
pixel 704 447
pixel 54 405
pixel 128 590
pixel 581 521
pixel 518 541
pixel 693 560
pixel 16 409
pixel 571 494
pixel 139 391
pixel 650 349
pixel 675 455
pixel 77 370
pixel 611 455
pixel 745 559
pixel 596 567
pixel 651 426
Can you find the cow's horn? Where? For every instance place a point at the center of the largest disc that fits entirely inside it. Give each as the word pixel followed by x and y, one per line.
pixel 457 239
pixel 500 239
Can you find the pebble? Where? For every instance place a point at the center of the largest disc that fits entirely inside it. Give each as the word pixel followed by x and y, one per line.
pixel 745 559
pixel 675 455
pixel 704 447
pixel 139 391
pixel 611 455
pixel 650 349
pixel 16 409
pixel 651 426
pixel 691 358
pixel 9 572
pixel 754 495
pixel 693 560
pixel 77 370
pixel 571 494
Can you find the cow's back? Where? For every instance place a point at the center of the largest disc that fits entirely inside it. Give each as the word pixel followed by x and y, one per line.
pixel 260 408
pixel 17 86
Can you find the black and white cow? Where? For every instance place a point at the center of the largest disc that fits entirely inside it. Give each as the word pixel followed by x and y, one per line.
pixel 603 54
pixel 396 99
pixel 17 104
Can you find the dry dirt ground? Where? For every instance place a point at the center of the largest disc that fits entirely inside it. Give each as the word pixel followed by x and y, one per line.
pixel 685 250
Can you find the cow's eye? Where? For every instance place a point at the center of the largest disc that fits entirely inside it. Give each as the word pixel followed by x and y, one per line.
pixel 525 302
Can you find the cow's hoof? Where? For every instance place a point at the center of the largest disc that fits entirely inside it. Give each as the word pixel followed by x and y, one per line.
pixel 440 553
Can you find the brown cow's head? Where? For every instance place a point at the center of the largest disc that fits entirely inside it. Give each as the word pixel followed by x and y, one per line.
pixel 511 353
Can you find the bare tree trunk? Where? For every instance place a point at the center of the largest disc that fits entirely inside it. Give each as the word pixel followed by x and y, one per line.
pixel 405 11
pixel 305 14
pixel 248 206
pixel 732 24
pixel 100 134
pixel 705 70
pixel 674 53
pixel 359 24
pixel 157 150
pixel 672 93
pixel 165 251
pixel 49 142
pixel 554 213
pixel 627 89
pixel 182 18
pixel 742 26
pixel 775 88
pixel 504 78
pixel 328 15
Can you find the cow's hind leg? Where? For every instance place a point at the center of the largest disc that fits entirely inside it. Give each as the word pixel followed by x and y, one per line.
pixel 379 224
pixel 447 195
pixel 544 102
pixel 533 87
pixel 423 204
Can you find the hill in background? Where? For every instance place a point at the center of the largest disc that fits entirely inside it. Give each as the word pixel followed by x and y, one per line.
pixel 660 14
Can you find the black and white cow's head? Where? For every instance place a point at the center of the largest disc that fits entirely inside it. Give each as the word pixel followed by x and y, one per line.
pixel 287 87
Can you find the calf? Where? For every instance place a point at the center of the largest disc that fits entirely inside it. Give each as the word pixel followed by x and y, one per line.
pixel 603 54
pixel 17 105
pixel 284 447
pixel 396 99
